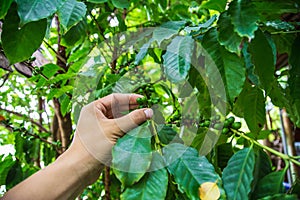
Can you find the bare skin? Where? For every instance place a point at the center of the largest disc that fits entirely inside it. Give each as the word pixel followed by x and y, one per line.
pixel 79 166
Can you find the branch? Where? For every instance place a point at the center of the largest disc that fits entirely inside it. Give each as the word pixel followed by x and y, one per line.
pixel 57 54
pixel 12 129
pixel 42 128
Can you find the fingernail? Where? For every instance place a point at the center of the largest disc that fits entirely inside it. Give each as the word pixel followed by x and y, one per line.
pixel 148 113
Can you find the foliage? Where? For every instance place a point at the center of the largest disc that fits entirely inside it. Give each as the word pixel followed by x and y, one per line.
pixel 196 63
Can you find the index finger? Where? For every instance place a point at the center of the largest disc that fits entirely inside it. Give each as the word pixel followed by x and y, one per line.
pixel 118 101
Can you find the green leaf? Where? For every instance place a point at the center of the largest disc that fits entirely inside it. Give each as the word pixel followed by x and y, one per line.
pixel 75 35
pixel 237 176
pixel 177 59
pixel 167 30
pixel 71 13
pixel 249 65
pixel 50 69
pixel 254 109
pixel 243 17
pixel 262 168
pixel 269 9
pixel 224 153
pixel 218 5
pixel 5 166
pixel 230 66
pixel 280 197
pixel 65 102
pixel 152 186
pixel 143 52
pixel 20 43
pixel 226 35
pixel 263 60
pixel 97 1
pixel 5 4
pixel 270 184
pixel 132 155
pixel 168 135
pixel 184 164
pixel 34 10
pixel 121 3
pixel 14 176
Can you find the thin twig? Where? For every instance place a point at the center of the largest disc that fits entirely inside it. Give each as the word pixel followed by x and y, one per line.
pixel 42 128
pixel 12 129
pixel 57 54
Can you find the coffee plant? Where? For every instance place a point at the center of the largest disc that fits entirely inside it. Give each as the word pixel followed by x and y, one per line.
pixel 208 69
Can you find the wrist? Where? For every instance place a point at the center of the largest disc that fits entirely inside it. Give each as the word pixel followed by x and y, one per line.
pixel 85 167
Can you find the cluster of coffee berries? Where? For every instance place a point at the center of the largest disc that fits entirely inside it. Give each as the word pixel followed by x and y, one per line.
pixel 227 126
pixel 149 98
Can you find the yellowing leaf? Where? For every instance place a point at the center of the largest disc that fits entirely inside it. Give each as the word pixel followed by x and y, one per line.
pixel 209 191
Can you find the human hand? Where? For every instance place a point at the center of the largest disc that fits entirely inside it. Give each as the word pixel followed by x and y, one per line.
pixel 101 123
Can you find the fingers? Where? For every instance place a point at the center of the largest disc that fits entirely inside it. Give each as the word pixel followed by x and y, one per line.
pixel 114 103
pixel 133 119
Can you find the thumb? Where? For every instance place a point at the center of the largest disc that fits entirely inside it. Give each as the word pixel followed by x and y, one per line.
pixel 133 119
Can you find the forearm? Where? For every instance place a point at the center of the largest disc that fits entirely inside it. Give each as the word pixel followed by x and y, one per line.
pixel 63 179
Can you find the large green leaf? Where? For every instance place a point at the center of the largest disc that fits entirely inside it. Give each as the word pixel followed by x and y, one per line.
pixel 188 169
pixel 263 60
pixel 270 184
pixel 167 30
pixel 177 59
pixel 142 53
pixel 34 10
pixel 5 4
pixel 132 155
pixel 121 3
pixel 218 5
pixel 70 13
pixel 262 167
pixel 254 109
pixel 152 186
pixel 230 66
pixel 226 35
pixel 244 17
pixel 5 166
pixel 238 174
pixel 168 135
pixel 20 43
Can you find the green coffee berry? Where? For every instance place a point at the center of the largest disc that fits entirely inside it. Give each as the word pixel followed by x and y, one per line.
pixel 236 125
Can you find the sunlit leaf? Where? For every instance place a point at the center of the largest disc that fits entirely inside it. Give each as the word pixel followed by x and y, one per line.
pixel 209 191
pixel 244 17
pixel 183 163
pixel 34 10
pixel 177 59
pixel 5 4
pixel 226 35
pixel 70 13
